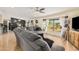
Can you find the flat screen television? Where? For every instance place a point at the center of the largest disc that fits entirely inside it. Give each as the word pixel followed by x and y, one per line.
pixel 75 23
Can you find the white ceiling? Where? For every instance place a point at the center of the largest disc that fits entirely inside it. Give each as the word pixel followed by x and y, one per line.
pixel 28 12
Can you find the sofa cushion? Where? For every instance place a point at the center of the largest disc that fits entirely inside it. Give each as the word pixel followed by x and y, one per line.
pixel 25 44
pixel 30 35
pixel 44 46
pixel 31 41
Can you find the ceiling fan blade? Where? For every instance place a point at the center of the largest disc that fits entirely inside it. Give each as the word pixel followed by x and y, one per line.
pixel 42 9
pixel 39 9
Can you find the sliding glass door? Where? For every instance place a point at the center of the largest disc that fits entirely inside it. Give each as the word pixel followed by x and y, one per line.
pixel 54 25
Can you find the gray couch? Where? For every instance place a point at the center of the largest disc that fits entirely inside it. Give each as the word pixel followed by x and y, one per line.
pixel 30 41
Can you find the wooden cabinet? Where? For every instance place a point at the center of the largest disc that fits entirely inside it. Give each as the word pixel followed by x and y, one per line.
pixel 74 38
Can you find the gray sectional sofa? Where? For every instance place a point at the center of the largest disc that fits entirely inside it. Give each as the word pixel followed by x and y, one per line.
pixel 30 41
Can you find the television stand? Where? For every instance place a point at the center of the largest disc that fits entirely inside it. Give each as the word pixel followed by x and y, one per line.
pixel 74 38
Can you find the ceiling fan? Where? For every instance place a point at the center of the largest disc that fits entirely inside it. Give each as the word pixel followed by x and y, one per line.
pixel 41 10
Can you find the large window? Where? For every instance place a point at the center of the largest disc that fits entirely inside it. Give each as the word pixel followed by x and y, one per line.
pixel 54 25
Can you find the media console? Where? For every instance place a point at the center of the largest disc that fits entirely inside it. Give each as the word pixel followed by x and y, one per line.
pixel 74 38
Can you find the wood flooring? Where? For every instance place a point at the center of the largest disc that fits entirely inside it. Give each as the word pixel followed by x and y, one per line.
pixel 8 42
